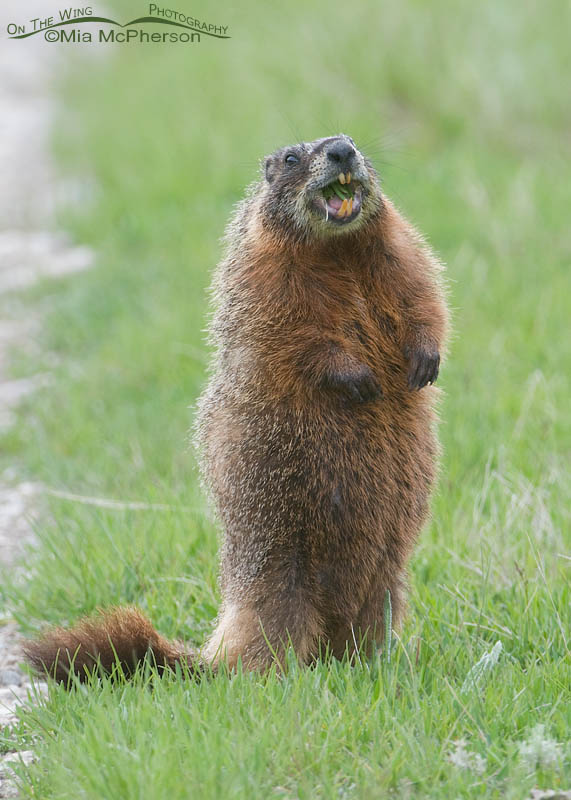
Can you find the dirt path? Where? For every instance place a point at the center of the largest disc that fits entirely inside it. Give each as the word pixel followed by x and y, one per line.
pixel 30 249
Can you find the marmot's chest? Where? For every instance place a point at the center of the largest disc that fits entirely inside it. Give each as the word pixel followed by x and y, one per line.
pixel 368 325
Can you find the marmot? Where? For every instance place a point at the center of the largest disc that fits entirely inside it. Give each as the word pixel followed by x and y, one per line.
pixel 316 429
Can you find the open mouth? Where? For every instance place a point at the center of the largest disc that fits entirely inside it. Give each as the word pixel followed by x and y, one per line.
pixel 341 199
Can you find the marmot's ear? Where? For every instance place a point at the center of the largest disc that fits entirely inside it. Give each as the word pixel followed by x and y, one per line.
pixel 269 169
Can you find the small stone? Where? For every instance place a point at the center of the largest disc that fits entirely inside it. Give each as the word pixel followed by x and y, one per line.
pixel 8 789
pixel 11 677
pixel 17 757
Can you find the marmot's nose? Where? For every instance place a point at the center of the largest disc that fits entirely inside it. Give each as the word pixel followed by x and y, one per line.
pixel 341 154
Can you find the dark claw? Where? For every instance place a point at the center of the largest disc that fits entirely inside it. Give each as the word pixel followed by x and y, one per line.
pixel 361 388
pixel 368 388
pixel 423 368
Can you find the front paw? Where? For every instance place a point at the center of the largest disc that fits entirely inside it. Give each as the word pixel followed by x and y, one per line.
pixel 361 387
pixel 423 366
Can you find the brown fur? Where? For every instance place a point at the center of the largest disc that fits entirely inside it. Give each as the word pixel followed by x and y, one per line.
pixel 316 428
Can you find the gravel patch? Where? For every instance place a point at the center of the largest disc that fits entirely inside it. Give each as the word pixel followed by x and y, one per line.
pixel 7 786
pixel 30 250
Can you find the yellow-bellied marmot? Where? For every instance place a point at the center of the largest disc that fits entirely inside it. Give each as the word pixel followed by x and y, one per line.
pixel 316 428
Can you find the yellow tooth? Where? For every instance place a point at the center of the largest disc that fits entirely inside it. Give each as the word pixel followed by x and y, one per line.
pixel 350 207
pixel 343 210
pixel 348 177
pixel 341 178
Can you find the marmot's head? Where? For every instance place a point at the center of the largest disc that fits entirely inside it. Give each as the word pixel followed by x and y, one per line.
pixel 320 188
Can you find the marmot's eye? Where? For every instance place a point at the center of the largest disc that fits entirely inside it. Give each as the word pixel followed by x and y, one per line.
pixel 291 159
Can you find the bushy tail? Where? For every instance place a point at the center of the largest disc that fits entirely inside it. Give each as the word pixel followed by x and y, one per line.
pixel 118 636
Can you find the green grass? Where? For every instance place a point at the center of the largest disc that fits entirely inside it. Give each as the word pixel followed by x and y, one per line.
pixel 464 111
